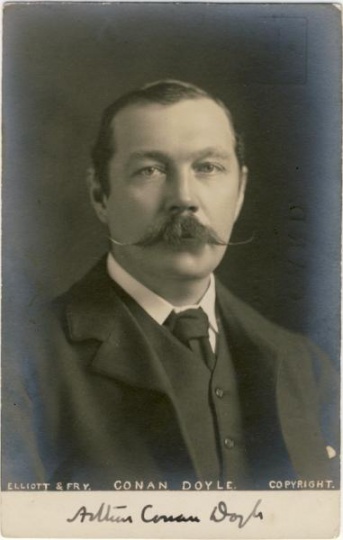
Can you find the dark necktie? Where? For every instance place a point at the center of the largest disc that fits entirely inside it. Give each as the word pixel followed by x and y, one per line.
pixel 191 328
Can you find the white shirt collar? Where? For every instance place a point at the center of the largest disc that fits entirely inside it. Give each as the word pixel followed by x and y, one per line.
pixel 157 307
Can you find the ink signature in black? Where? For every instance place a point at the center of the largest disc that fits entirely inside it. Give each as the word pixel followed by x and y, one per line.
pixel 114 514
pixel 119 514
pixel 104 513
pixel 220 513
pixel 148 516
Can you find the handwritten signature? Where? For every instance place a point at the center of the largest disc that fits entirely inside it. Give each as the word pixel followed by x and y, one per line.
pixel 220 512
pixel 120 514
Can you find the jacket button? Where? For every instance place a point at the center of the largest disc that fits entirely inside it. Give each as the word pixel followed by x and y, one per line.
pixel 229 443
pixel 219 392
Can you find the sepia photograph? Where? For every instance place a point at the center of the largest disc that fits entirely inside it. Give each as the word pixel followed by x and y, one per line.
pixel 171 225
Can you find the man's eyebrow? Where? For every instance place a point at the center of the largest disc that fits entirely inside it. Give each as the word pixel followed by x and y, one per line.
pixel 150 154
pixel 211 151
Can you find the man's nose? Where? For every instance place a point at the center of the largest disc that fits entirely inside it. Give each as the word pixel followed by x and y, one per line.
pixel 181 192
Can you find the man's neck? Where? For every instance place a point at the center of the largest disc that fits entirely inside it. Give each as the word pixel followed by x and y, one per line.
pixel 178 292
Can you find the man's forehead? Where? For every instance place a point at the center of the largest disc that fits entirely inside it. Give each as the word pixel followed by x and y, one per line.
pixel 190 119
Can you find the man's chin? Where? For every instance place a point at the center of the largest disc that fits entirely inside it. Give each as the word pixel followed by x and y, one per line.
pixel 189 260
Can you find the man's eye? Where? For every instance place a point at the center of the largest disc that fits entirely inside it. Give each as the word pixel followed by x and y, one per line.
pixel 209 168
pixel 150 172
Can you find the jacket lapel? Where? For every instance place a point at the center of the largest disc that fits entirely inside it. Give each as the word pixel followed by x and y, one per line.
pixel 99 309
pixel 95 311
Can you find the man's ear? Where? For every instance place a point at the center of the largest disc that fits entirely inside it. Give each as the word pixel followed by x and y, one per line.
pixel 97 195
pixel 242 187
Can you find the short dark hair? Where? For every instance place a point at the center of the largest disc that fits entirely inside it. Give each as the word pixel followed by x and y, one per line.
pixel 165 92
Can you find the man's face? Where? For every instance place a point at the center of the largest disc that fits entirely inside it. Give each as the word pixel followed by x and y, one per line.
pixel 172 160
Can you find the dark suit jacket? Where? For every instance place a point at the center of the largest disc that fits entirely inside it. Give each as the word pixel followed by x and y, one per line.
pixel 105 409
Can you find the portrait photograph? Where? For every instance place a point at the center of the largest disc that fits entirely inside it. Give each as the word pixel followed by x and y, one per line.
pixel 171 258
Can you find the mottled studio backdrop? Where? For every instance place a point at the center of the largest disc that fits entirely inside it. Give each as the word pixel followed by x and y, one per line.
pixel 278 69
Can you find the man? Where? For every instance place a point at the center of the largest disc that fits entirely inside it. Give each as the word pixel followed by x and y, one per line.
pixel 160 373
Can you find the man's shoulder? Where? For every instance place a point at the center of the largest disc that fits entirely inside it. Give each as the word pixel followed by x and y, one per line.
pixel 90 306
pixel 90 286
pixel 245 318
pixel 294 355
